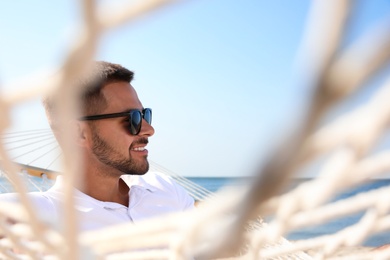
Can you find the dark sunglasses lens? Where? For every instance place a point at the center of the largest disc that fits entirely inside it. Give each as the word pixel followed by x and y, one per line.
pixel 135 122
pixel 148 115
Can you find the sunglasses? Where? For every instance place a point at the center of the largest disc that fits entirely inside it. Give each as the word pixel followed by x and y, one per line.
pixel 135 118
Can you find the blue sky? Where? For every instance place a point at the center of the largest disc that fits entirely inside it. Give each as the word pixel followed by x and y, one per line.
pixel 218 74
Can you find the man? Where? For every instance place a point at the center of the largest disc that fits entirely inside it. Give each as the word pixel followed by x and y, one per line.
pixel 112 136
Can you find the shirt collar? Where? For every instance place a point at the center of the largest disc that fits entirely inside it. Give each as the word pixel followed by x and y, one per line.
pixel 130 180
pixel 138 181
pixel 82 200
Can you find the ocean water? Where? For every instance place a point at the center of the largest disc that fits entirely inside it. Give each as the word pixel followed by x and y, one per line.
pixel 214 184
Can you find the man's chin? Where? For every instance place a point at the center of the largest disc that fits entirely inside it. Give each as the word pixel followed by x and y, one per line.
pixel 139 170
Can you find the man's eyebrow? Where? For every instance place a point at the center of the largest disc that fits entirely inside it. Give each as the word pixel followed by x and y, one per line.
pixel 128 110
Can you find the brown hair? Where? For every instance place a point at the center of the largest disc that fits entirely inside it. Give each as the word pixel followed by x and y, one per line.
pixel 91 99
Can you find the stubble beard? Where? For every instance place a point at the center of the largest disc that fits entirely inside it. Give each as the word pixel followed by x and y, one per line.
pixel 111 157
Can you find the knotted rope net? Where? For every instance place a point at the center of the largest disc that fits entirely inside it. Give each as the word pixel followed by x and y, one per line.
pixel 230 223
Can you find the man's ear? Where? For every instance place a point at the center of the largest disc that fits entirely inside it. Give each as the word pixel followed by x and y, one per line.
pixel 82 133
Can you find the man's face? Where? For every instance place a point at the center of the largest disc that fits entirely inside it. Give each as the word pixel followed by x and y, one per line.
pixel 112 143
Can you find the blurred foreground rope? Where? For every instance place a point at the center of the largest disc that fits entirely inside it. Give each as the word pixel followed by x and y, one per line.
pixel 228 224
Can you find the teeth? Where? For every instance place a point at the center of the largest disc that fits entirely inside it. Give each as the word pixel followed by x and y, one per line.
pixel 139 149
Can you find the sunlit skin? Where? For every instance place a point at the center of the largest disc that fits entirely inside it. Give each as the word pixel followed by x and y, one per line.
pixel 102 180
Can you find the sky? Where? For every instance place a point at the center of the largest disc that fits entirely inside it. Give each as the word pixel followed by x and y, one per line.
pixel 218 74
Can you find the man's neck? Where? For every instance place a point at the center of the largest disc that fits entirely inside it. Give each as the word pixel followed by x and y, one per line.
pixel 105 188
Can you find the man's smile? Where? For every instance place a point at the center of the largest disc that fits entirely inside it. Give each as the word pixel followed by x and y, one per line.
pixel 138 149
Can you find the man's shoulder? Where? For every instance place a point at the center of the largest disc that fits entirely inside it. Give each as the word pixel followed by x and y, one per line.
pixel 36 197
pixel 41 201
pixel 164 189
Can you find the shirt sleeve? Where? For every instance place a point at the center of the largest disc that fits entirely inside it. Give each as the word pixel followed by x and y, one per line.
pixel 185 199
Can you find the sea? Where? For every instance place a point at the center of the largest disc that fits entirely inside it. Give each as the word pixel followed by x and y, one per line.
pixel 215 184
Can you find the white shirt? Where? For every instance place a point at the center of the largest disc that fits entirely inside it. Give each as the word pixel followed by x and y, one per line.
pixel 150 195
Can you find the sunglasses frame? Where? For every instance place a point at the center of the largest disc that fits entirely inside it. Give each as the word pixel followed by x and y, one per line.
pixel 122 114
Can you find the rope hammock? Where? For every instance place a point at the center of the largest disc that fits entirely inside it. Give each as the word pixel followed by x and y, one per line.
pixel 228 223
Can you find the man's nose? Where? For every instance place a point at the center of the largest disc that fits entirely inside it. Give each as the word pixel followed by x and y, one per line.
pixel 146 129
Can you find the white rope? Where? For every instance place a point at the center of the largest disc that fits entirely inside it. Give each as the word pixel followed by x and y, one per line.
pixel 220 227
pixel 40 156
pixel 35 149
pixel 197 191
pixel 30 138
pixel 54 160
